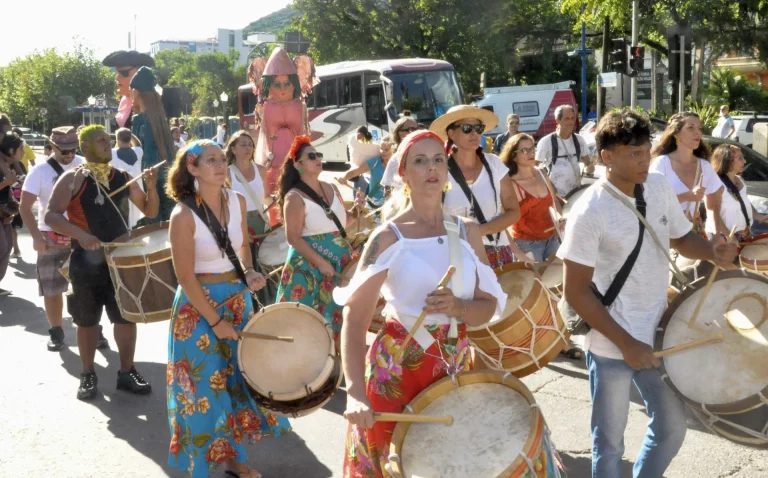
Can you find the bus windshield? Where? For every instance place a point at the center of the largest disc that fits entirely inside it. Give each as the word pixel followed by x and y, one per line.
pixel 427 94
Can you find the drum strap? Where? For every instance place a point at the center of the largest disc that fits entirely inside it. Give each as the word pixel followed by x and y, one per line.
pixel 254 197
pixel 477 211
pixel 454 254
pixel 303 187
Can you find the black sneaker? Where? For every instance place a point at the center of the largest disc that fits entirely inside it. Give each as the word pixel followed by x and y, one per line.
pixel 102 342
pixel 132 381
pixel 88 382
pixel 56 342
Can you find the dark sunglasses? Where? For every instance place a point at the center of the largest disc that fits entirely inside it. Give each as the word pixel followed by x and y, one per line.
pixel 66 152
pixel 468 128
pixel 409 130
pixel 125 73
pixel 280 86
pixel 314 156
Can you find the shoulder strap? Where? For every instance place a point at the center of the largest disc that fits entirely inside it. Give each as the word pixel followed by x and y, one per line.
pixel 555 147
pixel 311 194
pixel 248 189
pixel 458 176
pixel 577 146
pixel 736 194
pixel 452 230
pixel 56 166
pixel 222 239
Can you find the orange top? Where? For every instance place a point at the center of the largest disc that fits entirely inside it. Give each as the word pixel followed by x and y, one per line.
pixel 534 217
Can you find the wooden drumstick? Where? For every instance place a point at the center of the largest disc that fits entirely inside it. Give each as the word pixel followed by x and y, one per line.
pixel 710 281
pixel 122 244
pixel 689 345
pixel 359 212
pixel 256 335
pixel 372 213
pixel 696 208
pixel 410 418
pixel 274 272
pixel 155 167
pixel 423 315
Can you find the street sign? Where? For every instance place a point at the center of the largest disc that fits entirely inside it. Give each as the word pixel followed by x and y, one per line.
pixel 43 111
pixel 608 80
pixel 101 103
pixel 644 85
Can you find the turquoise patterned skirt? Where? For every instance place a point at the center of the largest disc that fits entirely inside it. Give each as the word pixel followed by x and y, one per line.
pixel 302 282
pixel 210 411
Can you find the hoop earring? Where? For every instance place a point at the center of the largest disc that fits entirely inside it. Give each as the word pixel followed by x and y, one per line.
pixel 407 191
pixel 454 149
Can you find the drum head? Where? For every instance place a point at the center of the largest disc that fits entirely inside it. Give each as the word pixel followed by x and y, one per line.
pixel 553 274
pixel 572 197
pixel 284 370
pixel 729 371
pixel 518 283
pixel 273 250
pixel 757 251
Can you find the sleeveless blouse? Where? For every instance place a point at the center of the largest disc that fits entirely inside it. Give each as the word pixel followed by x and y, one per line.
pixel 257 185
pixel 534 216
pixel 208 256
pixel 315 220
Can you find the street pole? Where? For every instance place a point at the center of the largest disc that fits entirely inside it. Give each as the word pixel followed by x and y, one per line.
pixel 681 95
pixel 635 39
pixel 584 54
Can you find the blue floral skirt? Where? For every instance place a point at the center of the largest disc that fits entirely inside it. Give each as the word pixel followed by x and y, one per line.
pixel 210 410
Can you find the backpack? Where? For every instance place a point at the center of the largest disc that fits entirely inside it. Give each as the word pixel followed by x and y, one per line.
pixel 555 142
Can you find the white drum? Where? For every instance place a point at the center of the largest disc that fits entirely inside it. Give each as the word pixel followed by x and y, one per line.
pixel 273 250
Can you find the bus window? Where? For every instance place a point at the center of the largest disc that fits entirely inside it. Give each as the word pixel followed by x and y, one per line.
pixel 356 86
pixel 248 102
pixel 374 105
pixel 331 92
pixel 321 95
pixel 345 90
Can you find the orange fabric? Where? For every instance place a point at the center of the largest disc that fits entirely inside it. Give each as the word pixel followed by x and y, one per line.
pixel 534 217
pixel 75 212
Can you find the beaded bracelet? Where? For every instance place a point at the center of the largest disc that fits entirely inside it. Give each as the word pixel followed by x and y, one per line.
pixel 217 322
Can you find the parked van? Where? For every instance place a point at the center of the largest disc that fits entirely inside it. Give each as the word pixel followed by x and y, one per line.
pixel 534 104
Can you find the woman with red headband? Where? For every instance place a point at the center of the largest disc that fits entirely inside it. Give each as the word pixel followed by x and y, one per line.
pixel 314 219
pixel 404 261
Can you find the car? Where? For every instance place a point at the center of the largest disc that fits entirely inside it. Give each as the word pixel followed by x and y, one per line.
pixel 33 138
pixel 745 125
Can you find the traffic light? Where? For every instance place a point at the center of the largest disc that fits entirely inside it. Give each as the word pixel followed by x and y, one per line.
pixel 636 60
pixel 618 56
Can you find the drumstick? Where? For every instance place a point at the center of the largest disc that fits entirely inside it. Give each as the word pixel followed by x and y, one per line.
pixel 411 418
pixel 689 345
pixel 374 212
pixel 710 281
pixel 443 282
pixel 359 212
pixel 274 272
pixel 122 244
pixel 696 208
pixel 255 335
pixel 157 166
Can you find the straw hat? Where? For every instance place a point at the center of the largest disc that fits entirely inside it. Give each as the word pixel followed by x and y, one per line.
pixel 460 112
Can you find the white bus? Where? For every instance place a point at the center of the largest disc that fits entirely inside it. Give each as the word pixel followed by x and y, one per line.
pixel 372 93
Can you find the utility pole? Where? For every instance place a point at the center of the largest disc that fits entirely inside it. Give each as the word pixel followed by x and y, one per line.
pixel 635 38
pixel 601 90
pixel 583 52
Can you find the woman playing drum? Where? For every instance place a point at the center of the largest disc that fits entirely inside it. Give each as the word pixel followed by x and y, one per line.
pixel 375 166
pixel 209 409
pixel 404 261
pixel 314 219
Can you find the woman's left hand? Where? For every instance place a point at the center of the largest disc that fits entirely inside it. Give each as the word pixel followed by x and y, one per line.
pixel 442 301
pixel 255 280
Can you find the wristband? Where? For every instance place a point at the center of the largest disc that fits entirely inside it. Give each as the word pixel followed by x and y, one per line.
pixel 217 322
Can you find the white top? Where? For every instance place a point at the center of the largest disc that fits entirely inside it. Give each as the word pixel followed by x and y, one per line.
pixel 710 180
pixel 257 185
pixel 134 213
pixel 602 232
pixel 426 259
pixel 180 143
pixel 360 152
pixel 390 178
pixel 40 181
pixel 566 174
pixel 208 256
pixel 730 211
pixel 457 204
pixel 723 127
pixel 220 134
pixel 315 220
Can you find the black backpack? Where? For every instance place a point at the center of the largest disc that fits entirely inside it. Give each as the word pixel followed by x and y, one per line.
pixel 555 142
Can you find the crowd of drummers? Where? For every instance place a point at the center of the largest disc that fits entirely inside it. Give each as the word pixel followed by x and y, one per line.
pixel 446 253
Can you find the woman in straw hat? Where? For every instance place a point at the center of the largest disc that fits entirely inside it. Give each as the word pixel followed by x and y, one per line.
pixel 478 185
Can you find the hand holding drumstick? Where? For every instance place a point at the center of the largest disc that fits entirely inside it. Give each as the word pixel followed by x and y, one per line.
pixel 149 175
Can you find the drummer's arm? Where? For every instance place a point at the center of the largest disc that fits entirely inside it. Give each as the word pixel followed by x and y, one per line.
pixel 353 173
pixel 149 203
pixel 58 204
pixel 693 246
pixel 480 309
pixel 293 217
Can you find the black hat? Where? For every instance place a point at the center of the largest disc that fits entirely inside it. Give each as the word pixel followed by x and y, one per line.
pixel 128 58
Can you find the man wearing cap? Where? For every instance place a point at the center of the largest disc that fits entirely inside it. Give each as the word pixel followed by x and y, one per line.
pixel 79 208
pixel 125 64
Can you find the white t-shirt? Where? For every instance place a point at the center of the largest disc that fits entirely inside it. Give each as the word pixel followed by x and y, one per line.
pixel 723 127
pixel 391 179
pixel 457 204
pixel 180 143
pixel 730 211
pixel 601 233
pixel 220 134
pixel 134 213
pixel 40 181
pixel 710 180
pixel 566 174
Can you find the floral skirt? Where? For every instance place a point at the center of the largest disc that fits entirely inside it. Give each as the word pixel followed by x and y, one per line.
pixel 391 384
pixel 209 407
pixel 302 281
pixel 499 256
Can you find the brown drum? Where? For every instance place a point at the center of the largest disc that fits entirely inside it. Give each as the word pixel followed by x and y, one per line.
pixel 143 277
pixel 359 231
pixel 529 334
pixel 552 276
pixel 378 318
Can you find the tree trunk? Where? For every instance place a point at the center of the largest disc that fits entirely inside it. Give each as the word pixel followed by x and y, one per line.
pixel 698 70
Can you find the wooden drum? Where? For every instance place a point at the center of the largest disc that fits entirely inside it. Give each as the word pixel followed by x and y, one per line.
pixel 754 254
pixel 296 378
pixel 378 317
pixel 725 383
pixel 143 277
pixel 552 276
pixel 529 334
pixel 498 431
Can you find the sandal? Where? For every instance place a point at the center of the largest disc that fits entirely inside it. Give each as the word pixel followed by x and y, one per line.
pixel 251 473
pixel 572 353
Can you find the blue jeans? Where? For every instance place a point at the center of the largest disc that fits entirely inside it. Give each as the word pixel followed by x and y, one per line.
pixel 541 249
pixel 610 381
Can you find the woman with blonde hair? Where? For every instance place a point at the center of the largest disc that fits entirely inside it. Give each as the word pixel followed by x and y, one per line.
pixel 403 127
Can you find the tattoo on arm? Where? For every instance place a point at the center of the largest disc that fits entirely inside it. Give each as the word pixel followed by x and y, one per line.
pixel 371 253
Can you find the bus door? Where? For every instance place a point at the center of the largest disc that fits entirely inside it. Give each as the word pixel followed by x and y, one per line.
pixel 375 117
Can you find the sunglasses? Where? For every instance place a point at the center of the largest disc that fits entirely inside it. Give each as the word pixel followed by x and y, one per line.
pixel 314 156
pixel 125 73
pixel 409 130
pixel 66 152
pixel 280 86
pixel 468 128
pixel 527 150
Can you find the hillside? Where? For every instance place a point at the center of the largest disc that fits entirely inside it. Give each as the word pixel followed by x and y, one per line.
pixel 273 23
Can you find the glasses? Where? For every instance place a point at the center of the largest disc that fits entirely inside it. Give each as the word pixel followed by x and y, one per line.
pixel 125 73
pixel 215 162
pixel 527 150
pixel 514 123
pixel 66 152
pixel 280 86
pixel 314 156
pixel 409 130
pixel 468 128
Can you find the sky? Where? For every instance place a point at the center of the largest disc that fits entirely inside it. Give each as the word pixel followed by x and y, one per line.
pixel 105 27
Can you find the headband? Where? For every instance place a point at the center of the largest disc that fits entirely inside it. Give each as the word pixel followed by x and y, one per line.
pixel 195 149
pixel 409 141
pixel 298 142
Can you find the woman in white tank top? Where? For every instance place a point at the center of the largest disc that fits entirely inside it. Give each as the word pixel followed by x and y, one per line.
pixel 203 371
pixel 318 251
pixel 404 261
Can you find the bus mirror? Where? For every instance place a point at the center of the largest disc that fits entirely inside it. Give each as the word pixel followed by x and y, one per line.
pixel 389 106
pixel 388 88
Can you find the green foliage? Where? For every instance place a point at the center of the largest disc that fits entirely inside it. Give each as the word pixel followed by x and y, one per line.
pixel 728 87
pixel 273 23
pixel 708 115
pixel 54 81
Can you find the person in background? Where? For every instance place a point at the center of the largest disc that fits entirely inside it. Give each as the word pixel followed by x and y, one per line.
pixel 513 126
pixel 22 167
pixel 29 154
pixel 177 141
pixel 725 127
pixel 225 127
pixel 403 127
pixel 221 133
pixel 183 135
pixel 127 157
pixel 562 151
pixel 592 115
pixel 375 166
pixel 11 151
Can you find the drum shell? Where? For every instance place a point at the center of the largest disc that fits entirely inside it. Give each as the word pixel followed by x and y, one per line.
pixel 131 271
pixel 754 265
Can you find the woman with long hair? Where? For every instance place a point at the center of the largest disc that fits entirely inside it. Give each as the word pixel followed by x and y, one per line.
pixel 479 184
pixel 151 128
pixel 314 220
pixel 736 209
pixel 209 408
pixel 403 127
pixel 404 261
pixel 683 158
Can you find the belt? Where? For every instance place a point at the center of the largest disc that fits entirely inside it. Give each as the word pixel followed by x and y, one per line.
pixel 208 279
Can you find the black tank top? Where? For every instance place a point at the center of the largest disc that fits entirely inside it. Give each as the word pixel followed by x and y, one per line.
pixel 103 221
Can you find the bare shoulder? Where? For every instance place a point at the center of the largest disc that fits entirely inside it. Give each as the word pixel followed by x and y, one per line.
pixel 382 239
pixel 181 215
pixel 240 198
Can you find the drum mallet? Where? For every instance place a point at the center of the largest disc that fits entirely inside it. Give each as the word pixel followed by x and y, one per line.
pixel 255 335
pixel 710 281
pixel 155 167
pixel 689 345
pixel 411 418
pixel 423 315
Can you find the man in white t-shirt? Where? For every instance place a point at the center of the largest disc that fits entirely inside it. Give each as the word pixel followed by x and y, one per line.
pixel 601 233
pixel 725 127
pixel 560 152
pixel 221 134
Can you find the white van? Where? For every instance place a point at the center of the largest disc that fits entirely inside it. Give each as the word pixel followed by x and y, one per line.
pixel 534 104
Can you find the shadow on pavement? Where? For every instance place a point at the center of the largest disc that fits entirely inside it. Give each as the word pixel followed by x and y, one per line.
pixel 581 466
pixel 23 270
pixel 17 311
